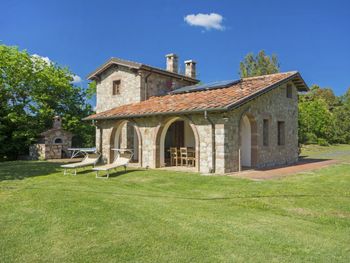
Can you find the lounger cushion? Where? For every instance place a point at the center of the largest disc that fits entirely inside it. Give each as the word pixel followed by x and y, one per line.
pixel 86 162
pixel 121 161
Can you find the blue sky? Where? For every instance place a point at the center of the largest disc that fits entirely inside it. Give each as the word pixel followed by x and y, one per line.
pixel 312 37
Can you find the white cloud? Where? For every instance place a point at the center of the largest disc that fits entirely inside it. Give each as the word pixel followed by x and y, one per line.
pixel 76 79
pixel 208 21
pixel 46 59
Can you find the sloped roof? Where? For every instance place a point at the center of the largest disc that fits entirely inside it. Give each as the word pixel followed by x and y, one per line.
pixel 217 99
pixel 136 65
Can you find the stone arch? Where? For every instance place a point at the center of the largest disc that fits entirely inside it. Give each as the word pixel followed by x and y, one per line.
pixel 159 140
pixel 248 118
pixel 57 140
pixel 115 137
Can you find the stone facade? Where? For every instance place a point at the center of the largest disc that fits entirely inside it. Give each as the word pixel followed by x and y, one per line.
pixel 222 143
pixel 217 135
pixel 135 86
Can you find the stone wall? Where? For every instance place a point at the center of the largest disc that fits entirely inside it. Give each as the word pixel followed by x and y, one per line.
pixel 133 86
pixel 274 106
pixel 37 151
pixel 159 84
pixel 130 83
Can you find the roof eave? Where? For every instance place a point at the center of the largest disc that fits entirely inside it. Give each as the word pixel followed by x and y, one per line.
pixel 155 114
pixel 302 87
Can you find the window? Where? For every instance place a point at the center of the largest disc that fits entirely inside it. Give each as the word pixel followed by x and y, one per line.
pixel 58 140
pixel 289 91
pixel 280 132
pixel 266 132
pixel 116 87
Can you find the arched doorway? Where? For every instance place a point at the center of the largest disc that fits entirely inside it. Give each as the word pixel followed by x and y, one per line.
pixel 126 135
pixel 248 141
pixel 175 133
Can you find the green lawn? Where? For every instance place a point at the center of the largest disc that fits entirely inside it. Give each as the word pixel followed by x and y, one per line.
pixel 160 216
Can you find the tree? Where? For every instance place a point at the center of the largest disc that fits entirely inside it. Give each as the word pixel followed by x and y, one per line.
pixel 342 119
pixel 316 122
pixel 326 94
pixel 258 65
pixel 32 91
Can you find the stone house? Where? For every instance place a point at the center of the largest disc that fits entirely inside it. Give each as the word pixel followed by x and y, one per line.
pixel 250 122
pixel 53 143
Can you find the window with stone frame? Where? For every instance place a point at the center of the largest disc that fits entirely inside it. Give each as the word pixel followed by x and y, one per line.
pixel 116 87
pixel 289 91
pixel 266 132
pixel 280 132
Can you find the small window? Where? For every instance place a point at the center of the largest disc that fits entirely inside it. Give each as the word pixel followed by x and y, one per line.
pixel 58 140
pixel 289 91
pixel 280 133
pixel 116 87
pixel 266 132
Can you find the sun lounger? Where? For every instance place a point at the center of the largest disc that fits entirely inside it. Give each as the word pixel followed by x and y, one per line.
pixel 122 160
pixel 89 160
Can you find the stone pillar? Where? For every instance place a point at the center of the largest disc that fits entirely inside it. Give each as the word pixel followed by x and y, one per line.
pixel 220 148
pixel 205 147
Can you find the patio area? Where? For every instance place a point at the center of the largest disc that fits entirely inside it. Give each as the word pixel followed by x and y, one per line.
pixel 304 165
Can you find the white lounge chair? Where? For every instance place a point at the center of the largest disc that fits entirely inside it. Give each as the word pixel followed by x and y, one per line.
pixel 122 160
pixel 89 160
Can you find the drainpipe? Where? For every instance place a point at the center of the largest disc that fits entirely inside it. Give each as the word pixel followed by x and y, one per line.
pixel 213 144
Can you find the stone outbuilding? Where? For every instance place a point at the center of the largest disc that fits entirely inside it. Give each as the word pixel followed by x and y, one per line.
pixel 249 122
pixel 52 144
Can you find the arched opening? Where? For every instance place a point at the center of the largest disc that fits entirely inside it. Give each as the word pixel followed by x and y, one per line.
pixel 58 141
pixel 126 136
pixel 248 141
pixel 180 135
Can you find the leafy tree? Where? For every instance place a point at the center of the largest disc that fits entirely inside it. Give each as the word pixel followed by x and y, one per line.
pixel 32 91
pixel 315 120
pixel 258 65
pixel 342 119
pixel 326 94
pixel 91 90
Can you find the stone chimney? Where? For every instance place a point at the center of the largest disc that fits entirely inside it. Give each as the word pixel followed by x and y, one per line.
pixel 172 63
pixel 57 122
pixel 190 68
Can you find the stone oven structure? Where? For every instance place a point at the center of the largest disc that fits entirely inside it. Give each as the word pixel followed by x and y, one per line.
pixel 53 144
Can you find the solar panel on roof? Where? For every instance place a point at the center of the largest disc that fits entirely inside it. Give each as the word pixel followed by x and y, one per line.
pixel 207 86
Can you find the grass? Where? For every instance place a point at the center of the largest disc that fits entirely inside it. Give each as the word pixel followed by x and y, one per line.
pixel 161 216
pixel 340 152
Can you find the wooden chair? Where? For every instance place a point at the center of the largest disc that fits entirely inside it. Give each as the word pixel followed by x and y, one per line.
pixel 183 155
pixel 174 156
pixel 191 159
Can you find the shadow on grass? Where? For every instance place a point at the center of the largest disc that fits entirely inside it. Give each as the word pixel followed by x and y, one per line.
pixel 19 170
pixel 302 160
pixel 117 173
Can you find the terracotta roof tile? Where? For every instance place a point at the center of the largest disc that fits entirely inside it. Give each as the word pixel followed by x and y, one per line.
pixel 213 99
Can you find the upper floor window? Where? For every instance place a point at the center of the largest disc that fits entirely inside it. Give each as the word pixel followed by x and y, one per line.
pixel 116 87
pixel 266 132
pixel 280 132
pixel 289 91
